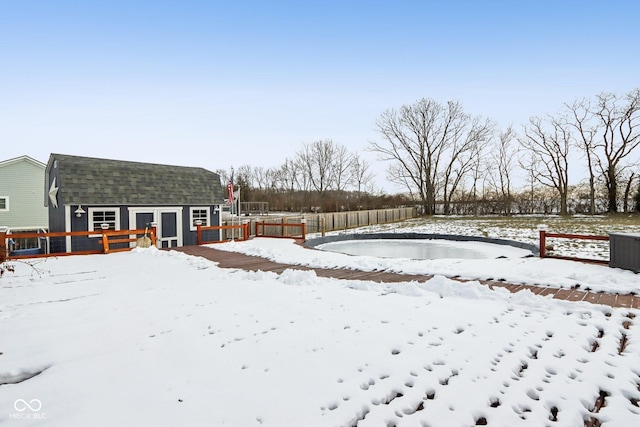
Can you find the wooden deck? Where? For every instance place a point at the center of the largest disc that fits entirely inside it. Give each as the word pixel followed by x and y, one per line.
pixel 253 263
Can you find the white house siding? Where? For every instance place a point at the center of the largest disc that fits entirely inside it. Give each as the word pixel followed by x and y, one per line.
pixel 22 180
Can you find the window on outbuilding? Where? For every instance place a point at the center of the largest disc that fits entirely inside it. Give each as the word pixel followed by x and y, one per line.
pixel 99 216
pixel 199 214
pixel 4 203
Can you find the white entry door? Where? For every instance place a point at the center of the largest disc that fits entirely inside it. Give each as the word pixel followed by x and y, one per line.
pixel 168 220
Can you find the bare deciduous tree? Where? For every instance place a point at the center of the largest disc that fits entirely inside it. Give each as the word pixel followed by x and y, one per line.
pixel 627 191
pixel 429 146
pixel 260 177
pixel 414 136
pixel 315 161
pixel 361 177
pixel 478 175
pixel 620 126
pixel 340 167
pixel 470 138
pixel 529 162
pixel 548 143
pixel 503 157
pixel 325 165
pixel 581 118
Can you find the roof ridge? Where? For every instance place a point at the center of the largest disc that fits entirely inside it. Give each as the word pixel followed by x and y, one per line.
pixel 127 162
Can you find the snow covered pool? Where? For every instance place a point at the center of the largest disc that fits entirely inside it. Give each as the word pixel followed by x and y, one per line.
pixel 423 246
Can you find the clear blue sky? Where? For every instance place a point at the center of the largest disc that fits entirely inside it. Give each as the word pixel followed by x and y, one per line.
pixel 216 84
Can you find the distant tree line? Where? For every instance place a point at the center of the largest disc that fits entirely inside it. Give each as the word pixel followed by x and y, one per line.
pixel 323 176
pixel 448 161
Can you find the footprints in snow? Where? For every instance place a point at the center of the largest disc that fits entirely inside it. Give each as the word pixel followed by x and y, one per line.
pixel 527 369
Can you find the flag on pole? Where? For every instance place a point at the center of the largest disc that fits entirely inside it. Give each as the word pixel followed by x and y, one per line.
pixel 230 190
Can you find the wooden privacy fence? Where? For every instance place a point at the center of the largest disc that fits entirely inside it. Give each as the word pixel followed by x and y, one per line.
pixel 207 238
pixel 270 229
pixel 543 245
pixel 332 221
pixel 55 243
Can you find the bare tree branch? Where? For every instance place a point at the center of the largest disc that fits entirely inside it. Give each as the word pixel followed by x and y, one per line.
pixel 548 141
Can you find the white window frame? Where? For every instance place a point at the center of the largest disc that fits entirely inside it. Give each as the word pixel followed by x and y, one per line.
pixel 6 204
pixel 91 212
pixel 205 223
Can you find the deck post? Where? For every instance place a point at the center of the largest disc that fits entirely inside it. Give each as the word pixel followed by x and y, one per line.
pixel 4 250
pixel 154 233
pixel 105 241
pixel 245 229
pixel 543 242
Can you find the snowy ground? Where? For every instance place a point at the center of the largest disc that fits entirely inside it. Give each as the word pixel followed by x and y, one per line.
pixel 516 269
pixel 156 338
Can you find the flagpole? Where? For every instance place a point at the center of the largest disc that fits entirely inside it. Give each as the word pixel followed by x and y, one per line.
pixel 230 190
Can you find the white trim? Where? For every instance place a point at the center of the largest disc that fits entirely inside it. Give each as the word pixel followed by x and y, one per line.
pixel 157 218
pixel 207 209
pixel 219 215
pixel 92 210
pixel 21 158
pixel 6 208
pixel 28 228
pixel 67 226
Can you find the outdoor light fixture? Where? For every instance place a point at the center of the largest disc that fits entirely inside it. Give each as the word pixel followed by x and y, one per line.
pixel 79 211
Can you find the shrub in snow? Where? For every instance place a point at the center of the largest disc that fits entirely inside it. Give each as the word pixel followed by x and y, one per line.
pixel 3 261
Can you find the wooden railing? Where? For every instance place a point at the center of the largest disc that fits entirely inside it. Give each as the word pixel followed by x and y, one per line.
pixel 111 237
pixel 243 232
pixel 106 238
pixel 302 226
pixel 543 245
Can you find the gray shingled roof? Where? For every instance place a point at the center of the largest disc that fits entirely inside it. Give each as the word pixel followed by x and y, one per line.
pixel 91 181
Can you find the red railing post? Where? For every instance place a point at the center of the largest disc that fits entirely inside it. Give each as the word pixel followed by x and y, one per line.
pixel 4 249
pixel 543 242
pixel 154 235
pixel 199 232
pixel 304 228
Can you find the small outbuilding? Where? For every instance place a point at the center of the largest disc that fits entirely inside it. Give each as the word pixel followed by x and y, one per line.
pixel 85 194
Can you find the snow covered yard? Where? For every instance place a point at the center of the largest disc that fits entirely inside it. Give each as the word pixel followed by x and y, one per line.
pixel 515 269
pixel 161 338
